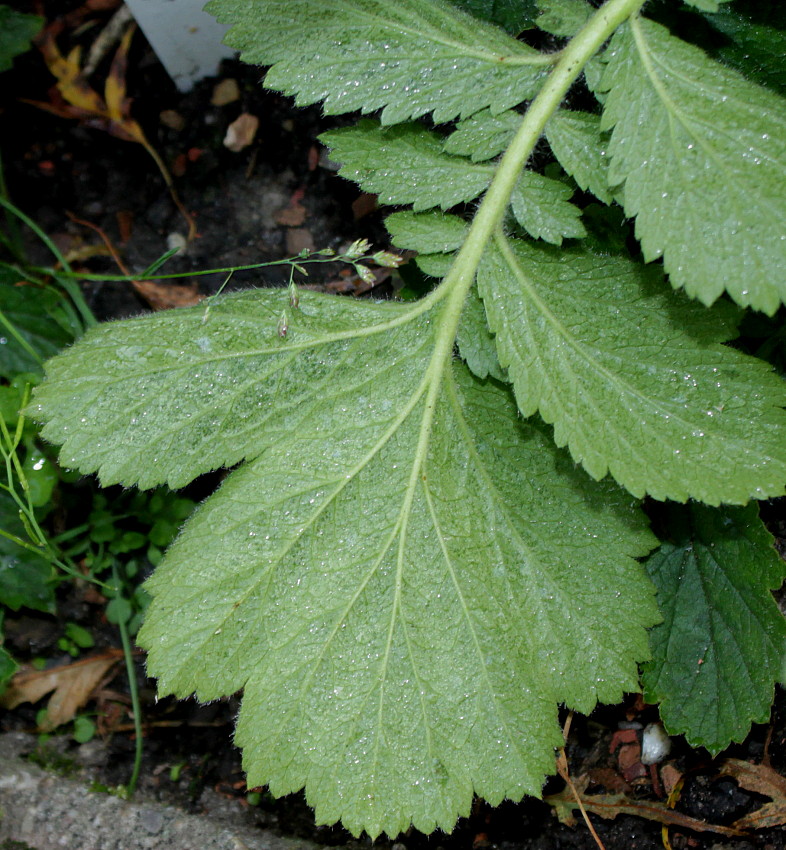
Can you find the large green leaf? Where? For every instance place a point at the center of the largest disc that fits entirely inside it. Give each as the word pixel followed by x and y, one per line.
pixel 394 518
pixel 410 57
pixel 405 165
pixel 702 154
pixel 722 644
pixel 637 384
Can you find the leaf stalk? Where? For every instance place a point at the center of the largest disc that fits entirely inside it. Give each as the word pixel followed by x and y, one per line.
pixel 492 208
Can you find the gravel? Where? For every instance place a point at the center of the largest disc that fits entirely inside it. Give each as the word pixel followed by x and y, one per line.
pixel 46 811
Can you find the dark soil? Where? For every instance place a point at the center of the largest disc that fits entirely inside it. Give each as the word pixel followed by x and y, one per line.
pixel 55 167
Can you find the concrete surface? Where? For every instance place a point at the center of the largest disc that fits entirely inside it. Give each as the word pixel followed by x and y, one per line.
pixel 46 811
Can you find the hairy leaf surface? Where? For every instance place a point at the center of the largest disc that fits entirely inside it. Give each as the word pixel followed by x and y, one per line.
pixel 702 154
pixel 575 139
pixel 165 398
pixel 363 596
pixel 721 646
pixel 405 165
pixel 638 385
pixel 483 136
pixel 410 57
pixel 541 207
pixel 354 575
pixel 476 342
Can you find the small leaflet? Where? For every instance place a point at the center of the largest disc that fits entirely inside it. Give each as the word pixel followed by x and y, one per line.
pixel 541 207
pixel 405 164
pixel 483 136
pixel 563 17
pixel 476 342
pixel 575 140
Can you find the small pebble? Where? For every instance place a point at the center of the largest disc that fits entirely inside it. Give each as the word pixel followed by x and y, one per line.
pixel 177 241
pixel 655 744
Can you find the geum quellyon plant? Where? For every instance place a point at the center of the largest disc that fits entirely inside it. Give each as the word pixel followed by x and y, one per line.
pixel 421 555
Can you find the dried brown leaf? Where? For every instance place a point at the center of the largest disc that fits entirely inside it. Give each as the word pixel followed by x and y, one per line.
pixel 608 806
pixel 760 780
pixel 71 684
pixel 165 296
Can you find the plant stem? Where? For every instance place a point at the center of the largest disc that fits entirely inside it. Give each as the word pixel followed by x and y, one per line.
pixel 66 279
pixel 133 690
pixel 489 216
pixel 492 208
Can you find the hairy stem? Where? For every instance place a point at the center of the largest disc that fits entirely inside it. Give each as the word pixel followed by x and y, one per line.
pixel 488 218
pixel 492 208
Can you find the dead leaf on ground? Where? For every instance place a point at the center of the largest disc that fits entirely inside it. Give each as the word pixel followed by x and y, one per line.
pixel 608 806
pixel 165 296
pixel 761 780
pixel 73 97
pixel 241 132
pixel 173 119
pixel 72 685
pixel 670 776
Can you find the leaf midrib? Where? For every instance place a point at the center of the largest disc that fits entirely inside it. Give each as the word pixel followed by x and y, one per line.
pixel 430 34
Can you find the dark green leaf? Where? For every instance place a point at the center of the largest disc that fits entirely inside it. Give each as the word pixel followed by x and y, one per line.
pixel 721 646
pixel 36 315
pixel 512 15
pixel 26 579
pixel 16 32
